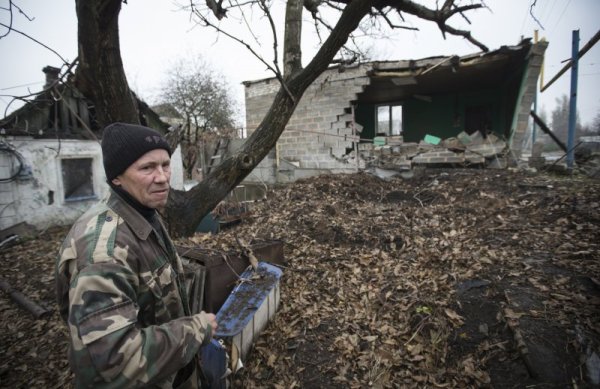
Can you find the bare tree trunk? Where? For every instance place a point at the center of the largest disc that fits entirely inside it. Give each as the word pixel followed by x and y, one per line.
pixel 100 74
pixel 186 209
pixel 292 52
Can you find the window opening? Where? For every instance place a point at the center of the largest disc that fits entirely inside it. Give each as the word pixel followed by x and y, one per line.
pixel 478 118
pixel 77 179
pixel 389 120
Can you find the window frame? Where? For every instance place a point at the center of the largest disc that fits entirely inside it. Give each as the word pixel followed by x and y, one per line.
pixel 92 179
pixel 390 120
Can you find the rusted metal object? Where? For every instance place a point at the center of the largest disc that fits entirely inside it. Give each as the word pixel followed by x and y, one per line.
pixel 223 270
pixel 248 309
pixel 36 310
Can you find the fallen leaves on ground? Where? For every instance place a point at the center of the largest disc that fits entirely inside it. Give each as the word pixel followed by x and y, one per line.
pixel 371 293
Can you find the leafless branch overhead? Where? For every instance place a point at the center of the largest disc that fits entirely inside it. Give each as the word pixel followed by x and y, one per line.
pixel 12 5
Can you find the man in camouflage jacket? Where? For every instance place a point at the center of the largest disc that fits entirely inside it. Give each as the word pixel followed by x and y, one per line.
pixel 120 285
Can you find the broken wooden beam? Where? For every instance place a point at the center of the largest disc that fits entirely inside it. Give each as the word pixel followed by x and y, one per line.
pixel 547 130
pixel 18 297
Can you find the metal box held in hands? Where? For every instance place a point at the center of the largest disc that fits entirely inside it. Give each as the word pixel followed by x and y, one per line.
pixel 222 269
pixel 249 307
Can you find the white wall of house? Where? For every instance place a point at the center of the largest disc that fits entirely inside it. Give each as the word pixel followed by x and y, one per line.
pixel 60 180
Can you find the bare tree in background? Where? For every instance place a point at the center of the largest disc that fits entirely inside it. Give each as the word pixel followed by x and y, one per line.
pixel 560 119
pixel 203 100
pixel 595 127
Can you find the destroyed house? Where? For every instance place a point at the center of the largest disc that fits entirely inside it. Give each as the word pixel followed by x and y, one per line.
pixel 420 111
pixel 51 167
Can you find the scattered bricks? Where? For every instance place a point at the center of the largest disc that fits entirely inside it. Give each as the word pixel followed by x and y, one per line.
pixel 402 163
pixel 464 138
pixel 386 150
pixel 424 147
pixel 498 163
pixel 427 159
pixel 395 140
pixel 453 143
pixel 442 153
pixel 536 149
pixel 488 150
pixel 474 157
pixel 537 162
pixel 409 149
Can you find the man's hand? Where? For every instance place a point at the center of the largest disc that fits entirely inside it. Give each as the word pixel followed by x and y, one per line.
pixel 212 320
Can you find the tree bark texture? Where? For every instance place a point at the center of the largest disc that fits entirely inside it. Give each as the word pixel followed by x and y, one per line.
pixel 100 75
pixel 292 53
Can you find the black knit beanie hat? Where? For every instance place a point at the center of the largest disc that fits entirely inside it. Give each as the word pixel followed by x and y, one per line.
pixel 123 144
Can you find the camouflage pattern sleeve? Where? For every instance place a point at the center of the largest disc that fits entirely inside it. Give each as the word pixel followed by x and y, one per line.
pixel 103 327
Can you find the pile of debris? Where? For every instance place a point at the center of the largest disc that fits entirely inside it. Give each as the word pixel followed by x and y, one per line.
pixel 392 154
pixel 587 155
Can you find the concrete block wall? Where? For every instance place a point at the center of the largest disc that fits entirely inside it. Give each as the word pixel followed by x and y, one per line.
pixel 536 56
pixel 320 130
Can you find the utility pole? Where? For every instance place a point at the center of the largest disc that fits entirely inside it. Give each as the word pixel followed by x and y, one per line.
pixel 535 97
pixel 573 100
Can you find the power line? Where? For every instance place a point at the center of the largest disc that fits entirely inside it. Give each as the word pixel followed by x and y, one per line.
pixel 549 14
pixel 20 86
pixel 560 17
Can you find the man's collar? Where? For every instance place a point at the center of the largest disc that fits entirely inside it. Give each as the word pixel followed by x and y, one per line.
pixel 138 224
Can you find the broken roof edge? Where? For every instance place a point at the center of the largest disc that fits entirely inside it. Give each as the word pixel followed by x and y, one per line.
pixel 412 64
pixel 381 67
pixel 44 99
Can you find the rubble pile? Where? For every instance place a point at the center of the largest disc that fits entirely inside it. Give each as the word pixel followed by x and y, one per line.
pixel 392 153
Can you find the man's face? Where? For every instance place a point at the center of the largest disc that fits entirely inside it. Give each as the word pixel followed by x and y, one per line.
pixel 147 179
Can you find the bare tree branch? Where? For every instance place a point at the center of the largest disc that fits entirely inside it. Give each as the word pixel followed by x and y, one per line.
pixel 208 23
pixel 10 11
pixel 440 17
pixel 36 41
pixel 467 36
pixel 275 69
pixel 265 9
pixel 392 25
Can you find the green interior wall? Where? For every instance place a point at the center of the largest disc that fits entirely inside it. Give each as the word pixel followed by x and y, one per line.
pixel 364 114
pixel 444 116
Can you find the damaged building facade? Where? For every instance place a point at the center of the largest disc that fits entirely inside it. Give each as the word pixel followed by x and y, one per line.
pixel 464 110
pixel 51 167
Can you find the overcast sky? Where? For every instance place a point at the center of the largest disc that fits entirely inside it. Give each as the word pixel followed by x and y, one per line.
pixel 154 34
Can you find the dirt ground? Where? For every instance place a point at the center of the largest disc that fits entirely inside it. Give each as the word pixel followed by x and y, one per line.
pixel 454 278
